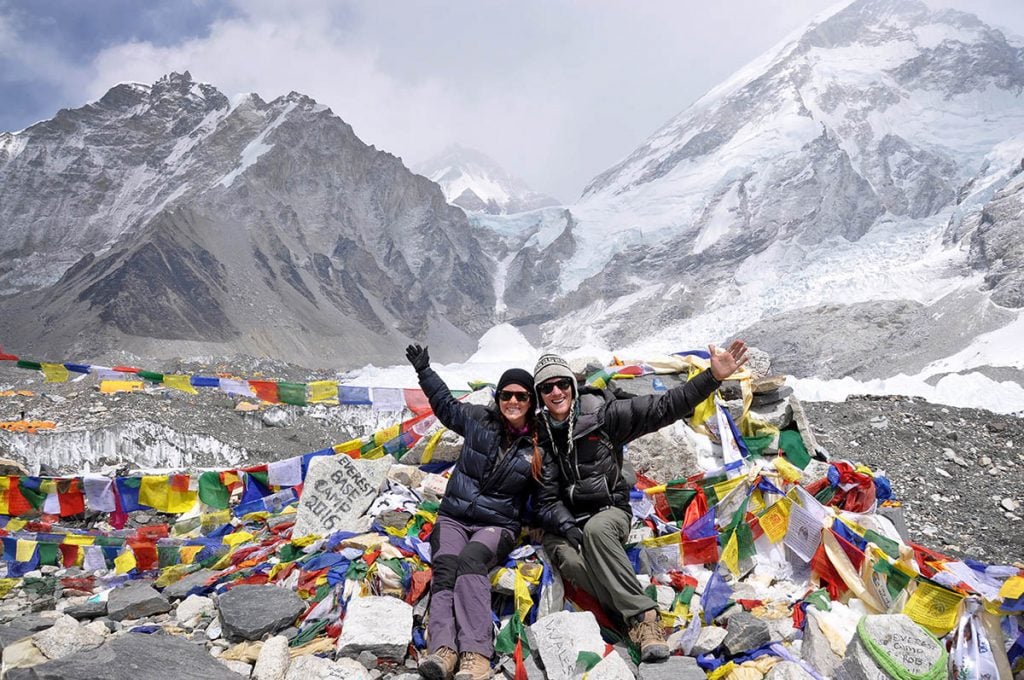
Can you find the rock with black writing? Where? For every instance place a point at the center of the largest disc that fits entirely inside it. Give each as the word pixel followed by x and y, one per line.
pixel 336 492
pixel 904 645
pixel 559 638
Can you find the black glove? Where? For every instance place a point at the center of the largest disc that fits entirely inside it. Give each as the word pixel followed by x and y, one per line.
pixel 418 357
pixel 575 537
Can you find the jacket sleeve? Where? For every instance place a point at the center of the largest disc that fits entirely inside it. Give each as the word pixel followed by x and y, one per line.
pixel 553 514
pixel 628 419
pixel 456 416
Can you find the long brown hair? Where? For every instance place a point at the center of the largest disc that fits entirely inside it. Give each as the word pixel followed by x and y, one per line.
pixel 537 461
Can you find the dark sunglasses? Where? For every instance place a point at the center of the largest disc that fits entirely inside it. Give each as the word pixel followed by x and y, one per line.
pixel 562 384
pixel 521 397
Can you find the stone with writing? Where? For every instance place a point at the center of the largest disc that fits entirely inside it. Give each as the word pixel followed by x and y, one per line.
pixel 558 640
pixel 903 644
pixel 336 492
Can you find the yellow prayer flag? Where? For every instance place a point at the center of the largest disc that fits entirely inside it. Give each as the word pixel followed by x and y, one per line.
pixel 16 523
pixel 663 541
pixel 188 553
pixel 1012 588
pixel 722 489
pixel 789 472
pixel 182 383
pixel 124 562
pixel 54 373
pixel 428 452
pixel 775 520
pixel 171 574
pixel 323 391
pixel 79 539
pixel 933 607
pixel 373 454
pixel 722 671
pixel 25 550
pixel 48 486
pixel 5 499
pixel 153 491
pixel 237 537
pixel 350 445
pixel 731 555
pixel 381 437
pixel 6 584
pixel 114 386
pixel 756 504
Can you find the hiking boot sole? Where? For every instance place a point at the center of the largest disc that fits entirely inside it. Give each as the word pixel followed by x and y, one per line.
pixel 656 652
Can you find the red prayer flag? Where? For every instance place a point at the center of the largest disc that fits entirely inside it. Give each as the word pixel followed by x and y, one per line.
pixel 145 555
pixel 417 401
pixel 125 369
pixel 700 550
pixel 827 574
pixel 265 390
pixel 68 555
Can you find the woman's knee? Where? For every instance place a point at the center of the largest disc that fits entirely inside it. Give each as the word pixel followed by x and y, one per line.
pixel 475 559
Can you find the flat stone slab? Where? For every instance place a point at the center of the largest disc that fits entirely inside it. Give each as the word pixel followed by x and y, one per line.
pixel 379 625
pixel 250 612
pixel 559 638
pixel 181 588
pixel 131 657
pixel 611 667
pixel 337 491
pixel 87 610
pixel 134 601
pixel 672 668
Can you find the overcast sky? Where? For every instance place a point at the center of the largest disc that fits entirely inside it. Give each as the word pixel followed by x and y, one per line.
pixel 556 91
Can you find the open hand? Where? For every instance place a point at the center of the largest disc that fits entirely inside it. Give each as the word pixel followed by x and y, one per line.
pixel 726 362
pixel 418 356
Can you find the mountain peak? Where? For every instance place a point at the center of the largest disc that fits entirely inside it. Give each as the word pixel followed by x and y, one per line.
pixel 476 182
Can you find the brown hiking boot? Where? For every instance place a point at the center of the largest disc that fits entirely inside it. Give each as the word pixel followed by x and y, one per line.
pixel 473 666
pixel 646 632
pixel 440 665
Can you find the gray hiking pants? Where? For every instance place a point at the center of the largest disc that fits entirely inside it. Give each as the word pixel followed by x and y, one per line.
pixel 602 568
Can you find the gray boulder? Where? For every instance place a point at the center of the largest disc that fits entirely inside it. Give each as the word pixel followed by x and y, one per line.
pixel 379 625
pixel 906 643
pixel 745 632
pixel 180 589
pixel 130 657
pixel 673 668
pixel 135 601
pixel 250 612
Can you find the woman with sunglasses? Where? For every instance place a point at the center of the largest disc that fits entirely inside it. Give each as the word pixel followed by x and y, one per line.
pixel 479 518
pixel 583 496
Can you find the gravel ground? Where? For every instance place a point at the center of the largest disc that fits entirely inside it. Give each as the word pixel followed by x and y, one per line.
pixel 959 472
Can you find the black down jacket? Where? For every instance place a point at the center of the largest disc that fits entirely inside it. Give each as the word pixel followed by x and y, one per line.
pixel 581 480
pixel 491 482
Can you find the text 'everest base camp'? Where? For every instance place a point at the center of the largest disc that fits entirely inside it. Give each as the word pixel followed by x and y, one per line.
pixel 272 518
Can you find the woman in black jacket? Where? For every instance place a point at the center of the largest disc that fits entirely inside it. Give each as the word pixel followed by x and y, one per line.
pixel 479 518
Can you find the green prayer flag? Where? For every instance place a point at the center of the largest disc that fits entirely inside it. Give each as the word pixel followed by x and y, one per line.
pixel 587 660
pixel 35 497
pixel 292 393
pixel 820 600
pixel 757 445
pixel 212 491
pixel 168 555
pixel 48 553
pixel 505 641
pixel 678 500
pixel 792 443
pixel 31 365
pixel 308 633
pixel 150 375
pixel 887 545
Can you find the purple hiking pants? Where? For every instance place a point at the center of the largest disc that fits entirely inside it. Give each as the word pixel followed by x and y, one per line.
pixel 460 592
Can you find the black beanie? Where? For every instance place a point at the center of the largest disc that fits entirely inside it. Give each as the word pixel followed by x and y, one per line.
pixel 515 376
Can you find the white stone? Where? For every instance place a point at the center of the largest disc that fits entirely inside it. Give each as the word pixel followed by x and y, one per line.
pixel 788 670
pixel 1009 504
pixel 236 666
pixel 611 667
pixel 336 492
pixel 272 663
pixel 906 643
pixel 192 607
pixel 213 631
pixel 65 637
pixel 559 638
pixel 710 639
pixel 380 625
pixel 309 666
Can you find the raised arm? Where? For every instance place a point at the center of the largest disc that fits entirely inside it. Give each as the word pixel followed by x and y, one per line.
pixel 452 413
pixel 628 419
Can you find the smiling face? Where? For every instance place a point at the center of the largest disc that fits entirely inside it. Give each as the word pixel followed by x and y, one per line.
pixel 557 396
pixel 515 402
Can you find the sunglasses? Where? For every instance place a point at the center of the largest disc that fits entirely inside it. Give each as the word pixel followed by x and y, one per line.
pixel 521 397
pixel 562 383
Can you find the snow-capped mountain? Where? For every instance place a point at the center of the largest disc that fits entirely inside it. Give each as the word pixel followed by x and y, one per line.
pixel 165 220
pixel 854 193
pixel 476 183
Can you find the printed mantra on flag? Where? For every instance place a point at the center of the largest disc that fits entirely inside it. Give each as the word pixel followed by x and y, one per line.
pixel 332 499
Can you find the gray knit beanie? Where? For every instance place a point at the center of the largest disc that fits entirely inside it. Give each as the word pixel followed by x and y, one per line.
pixel 553 366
